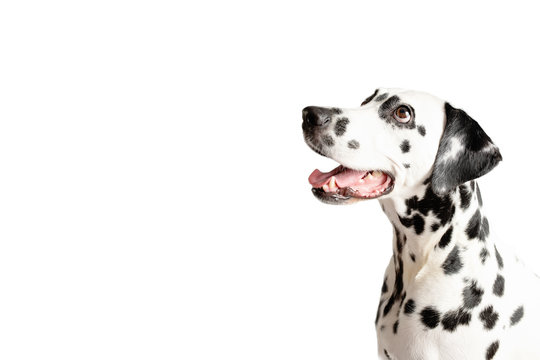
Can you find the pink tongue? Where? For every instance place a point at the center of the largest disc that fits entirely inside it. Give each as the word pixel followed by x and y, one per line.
pixel 344 177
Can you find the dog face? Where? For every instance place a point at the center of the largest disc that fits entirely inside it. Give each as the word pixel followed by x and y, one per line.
pixel 393 143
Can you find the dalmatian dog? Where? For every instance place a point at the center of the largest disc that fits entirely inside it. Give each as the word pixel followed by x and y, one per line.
pixel 449 292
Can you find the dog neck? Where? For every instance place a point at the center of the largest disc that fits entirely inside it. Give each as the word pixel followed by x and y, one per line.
pixel 436 230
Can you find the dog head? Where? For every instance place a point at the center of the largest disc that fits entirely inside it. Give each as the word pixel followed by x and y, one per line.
pixel 396 141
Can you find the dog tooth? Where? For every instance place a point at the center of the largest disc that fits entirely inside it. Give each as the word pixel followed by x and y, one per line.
pixel 369 176
pixel 377 173
pixel 325 188
pixel 332 182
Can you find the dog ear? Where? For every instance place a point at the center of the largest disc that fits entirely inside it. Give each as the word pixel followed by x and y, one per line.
pixel 465 152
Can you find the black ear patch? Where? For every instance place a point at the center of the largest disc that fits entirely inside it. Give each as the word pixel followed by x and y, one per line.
pixel 465 152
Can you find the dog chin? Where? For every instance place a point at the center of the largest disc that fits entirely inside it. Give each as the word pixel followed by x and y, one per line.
pixel 333 198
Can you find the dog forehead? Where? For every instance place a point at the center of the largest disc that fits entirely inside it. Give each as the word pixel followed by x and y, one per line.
pixel 389 98
pixel 428 108
pixel 411 97
pixel 419 98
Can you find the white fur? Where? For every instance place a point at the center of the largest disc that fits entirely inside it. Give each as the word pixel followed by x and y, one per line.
pixel 423 279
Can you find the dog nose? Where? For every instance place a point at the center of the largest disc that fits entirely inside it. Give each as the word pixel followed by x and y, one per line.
pixel 316 116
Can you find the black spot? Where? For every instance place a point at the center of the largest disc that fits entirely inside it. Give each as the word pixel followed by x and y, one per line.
pixel 465 196
pixel 407 222
pixel 484 253
pixel 422 130
pixel 453 263
pixel 387 356
pixel 446 238
pixel 479 196
pixel 405 146
pixel 399 245
pixel 499 258
pixel 341 126
pixel 478 227
pixel 492 350
pixel 472 295
pixel 430 317
pixel 452 319
pixel 336 111
pixel 441 206
pixel 398 284
pixel 411 204
pixel 473 228
pixel 396 232
pixel 395 327
pixel 516 316
pixel 328 140
pixel 370 98
pixel 378 312
pixel 489 317
pixel 435 227
pixel 389 305
pixel 410 306
pixel 406 166
pixel 402 300
pixel 388 105
pixel 484 231
pixel 418 224
pixel 498 286
pixel 381 97
pixel 413 258
pixel 384 288
pixel 353 144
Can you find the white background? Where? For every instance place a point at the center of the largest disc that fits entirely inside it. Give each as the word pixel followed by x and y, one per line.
pixel 153 176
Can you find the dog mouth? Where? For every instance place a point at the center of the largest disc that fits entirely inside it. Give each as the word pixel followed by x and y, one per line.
pixel 342 184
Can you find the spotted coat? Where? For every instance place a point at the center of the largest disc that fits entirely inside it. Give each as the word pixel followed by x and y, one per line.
pixel 449 291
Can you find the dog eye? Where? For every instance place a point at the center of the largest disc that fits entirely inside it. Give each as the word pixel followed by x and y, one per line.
pixel 402 114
